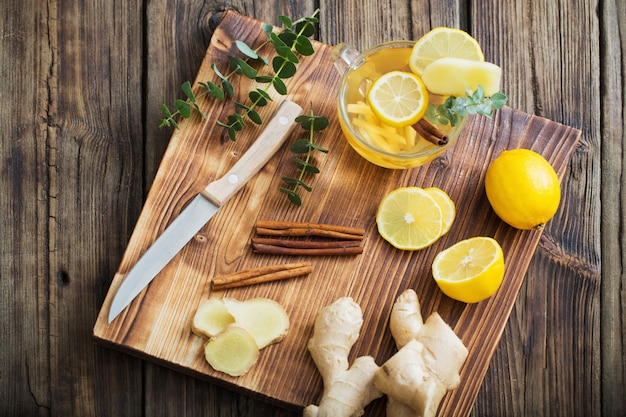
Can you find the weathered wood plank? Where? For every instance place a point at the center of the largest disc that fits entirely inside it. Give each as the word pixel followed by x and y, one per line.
pixel 94 161
pixel 24 205
pixel 551 70
pixel 613 134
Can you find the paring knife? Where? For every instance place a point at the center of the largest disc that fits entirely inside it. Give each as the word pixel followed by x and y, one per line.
pixel 200 210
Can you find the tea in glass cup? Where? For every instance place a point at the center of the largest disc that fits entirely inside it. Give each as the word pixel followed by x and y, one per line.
pixel 376 141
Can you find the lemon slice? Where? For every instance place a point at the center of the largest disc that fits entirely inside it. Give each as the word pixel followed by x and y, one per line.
pixel 470 270
pixel 409 218
pixel 455 76
pixel 443 43
pixel 398 98
pixel 448 209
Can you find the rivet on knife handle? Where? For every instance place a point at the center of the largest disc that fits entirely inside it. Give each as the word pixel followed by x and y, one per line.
pixel 201 208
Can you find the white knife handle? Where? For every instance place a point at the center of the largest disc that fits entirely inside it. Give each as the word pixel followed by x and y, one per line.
pixel 260 152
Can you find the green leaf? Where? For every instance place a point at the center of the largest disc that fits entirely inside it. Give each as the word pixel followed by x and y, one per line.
pixel 228 88
pixel 279 86
pixel 305 166
pixel 301 146
pixel 183 108
pixel 236 121
pixel 319 148
pixel 257 98
pixel 479 94
pixel 242 67
pixel 186 87
pixel 213 90
pixel 308 122
pixel 291 181
pixel 286 21
pixel 289 38
pixel 292 196
pixel 166 111
pixel 267 28
pixel 283 68
pixel 255 116
pixel 246 50
pixel 282 49
pixel 304 46
pixel 264 79
pixel 232 133
pixel 498 100
pixel 294 182
pixel 306 27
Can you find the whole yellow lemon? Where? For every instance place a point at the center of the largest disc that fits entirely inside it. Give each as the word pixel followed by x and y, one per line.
pixel 523 189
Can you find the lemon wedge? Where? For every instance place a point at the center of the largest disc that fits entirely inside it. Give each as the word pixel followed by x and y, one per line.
pixel 470 270
pixel 457 76
pixel 443 42
pixel 398 98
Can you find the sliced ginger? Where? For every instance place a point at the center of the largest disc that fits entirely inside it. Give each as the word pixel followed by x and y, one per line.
pixel 232 351
pixel 211 318
pixel 236 329
pixel 265 319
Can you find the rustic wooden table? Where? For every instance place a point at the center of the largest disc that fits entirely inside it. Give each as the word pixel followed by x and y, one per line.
pixel 82 83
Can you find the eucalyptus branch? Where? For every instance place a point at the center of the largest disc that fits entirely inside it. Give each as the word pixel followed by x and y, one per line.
pixel 306 146
pixel 454 108
pixel 291 41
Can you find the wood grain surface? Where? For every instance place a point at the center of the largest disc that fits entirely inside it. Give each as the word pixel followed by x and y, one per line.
pixel 82 83
pixel 156 325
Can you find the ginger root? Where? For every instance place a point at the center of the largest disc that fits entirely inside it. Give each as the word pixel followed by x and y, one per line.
pixel 347 390
pixel 426 365
pixel 415 379
pixel 236 329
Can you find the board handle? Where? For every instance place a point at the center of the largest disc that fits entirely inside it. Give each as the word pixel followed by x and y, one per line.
pixel 264 147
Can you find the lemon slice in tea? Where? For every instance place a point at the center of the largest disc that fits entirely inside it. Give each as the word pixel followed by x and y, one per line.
pixel 398 98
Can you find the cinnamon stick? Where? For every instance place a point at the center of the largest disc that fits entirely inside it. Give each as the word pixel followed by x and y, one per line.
pixel 285 228
pixel 282 250
pixel 429 132
pixel 261 274
pixel 307 244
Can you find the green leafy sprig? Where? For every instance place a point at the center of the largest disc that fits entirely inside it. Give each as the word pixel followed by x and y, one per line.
pixel 292 41
pixel 454 108
pixel 311 123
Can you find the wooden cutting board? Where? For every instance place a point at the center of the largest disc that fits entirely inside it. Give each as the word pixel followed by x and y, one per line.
pixel 156 326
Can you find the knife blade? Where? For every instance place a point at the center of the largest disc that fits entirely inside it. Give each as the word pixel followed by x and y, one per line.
pixel 203 206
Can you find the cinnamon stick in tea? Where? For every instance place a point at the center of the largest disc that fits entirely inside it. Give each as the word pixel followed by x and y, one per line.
pixel 429 132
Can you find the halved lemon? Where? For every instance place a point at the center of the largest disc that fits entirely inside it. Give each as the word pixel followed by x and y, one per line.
pixel 409 218
pixel 448 209
pixel 457 76
pixel 443 42
pixel 470 270
pixel 398 98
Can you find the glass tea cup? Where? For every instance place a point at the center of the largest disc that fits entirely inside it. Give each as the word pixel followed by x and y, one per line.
pixel 396 148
